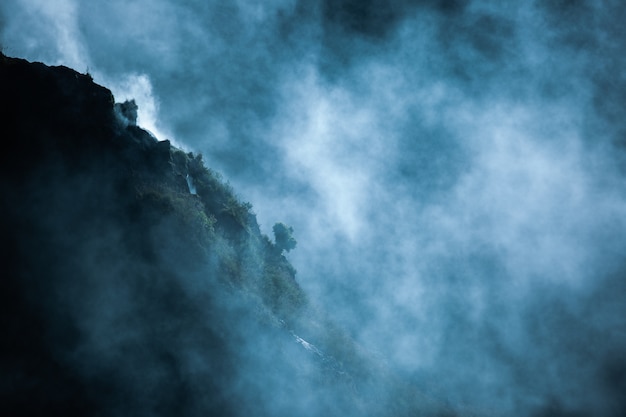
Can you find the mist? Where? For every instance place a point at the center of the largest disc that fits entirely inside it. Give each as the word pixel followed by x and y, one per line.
pixel 453 170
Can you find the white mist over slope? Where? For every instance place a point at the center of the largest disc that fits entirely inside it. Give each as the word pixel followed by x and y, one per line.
pixel 453 170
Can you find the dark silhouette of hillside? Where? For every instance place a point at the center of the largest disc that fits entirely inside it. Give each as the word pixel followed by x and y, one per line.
pixel 134 281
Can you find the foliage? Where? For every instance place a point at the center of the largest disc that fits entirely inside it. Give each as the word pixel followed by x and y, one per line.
pixel 280 291
pixel 283 237
pixel 228 230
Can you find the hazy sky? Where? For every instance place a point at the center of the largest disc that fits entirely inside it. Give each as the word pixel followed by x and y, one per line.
pixel 453 170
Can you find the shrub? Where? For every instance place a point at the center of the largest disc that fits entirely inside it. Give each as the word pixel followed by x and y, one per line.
pixel 283 237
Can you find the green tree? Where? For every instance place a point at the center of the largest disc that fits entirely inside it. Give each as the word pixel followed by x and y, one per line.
pixel 283 237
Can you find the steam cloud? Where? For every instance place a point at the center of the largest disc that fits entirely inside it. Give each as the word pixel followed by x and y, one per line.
pixel 453 170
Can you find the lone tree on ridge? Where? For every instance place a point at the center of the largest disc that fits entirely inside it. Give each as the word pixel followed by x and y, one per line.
pixel 283 237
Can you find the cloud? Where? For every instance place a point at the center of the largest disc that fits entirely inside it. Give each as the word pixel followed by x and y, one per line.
pixel 452 169
pixel 47 30
pixel 320 139
pixel 139 88
pixel 536 197
pixel 508 205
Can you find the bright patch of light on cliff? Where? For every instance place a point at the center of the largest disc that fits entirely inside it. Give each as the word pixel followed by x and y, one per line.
pixel 307 345
pixel 191 185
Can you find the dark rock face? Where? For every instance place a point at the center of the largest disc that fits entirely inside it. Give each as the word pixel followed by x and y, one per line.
pixel 37 102
pixel 114 295
pixel 85 255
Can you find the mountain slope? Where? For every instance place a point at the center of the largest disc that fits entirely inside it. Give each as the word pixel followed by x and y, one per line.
pixel 136 283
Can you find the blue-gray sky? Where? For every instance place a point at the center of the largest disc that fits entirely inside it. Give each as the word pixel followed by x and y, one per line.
pixel 453 170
